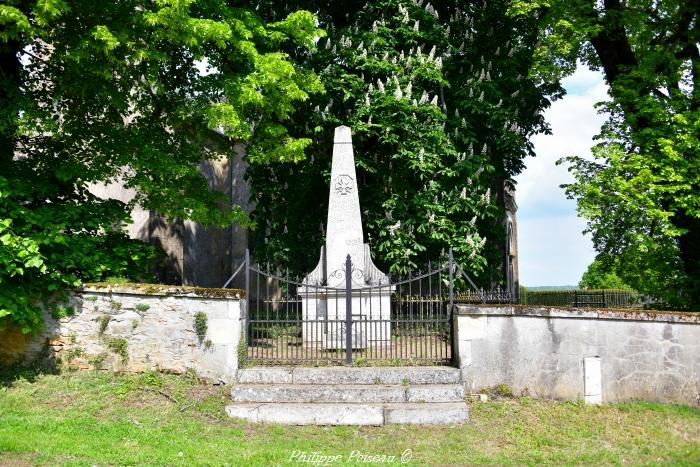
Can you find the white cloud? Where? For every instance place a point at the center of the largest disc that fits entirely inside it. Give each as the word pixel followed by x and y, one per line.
pixel 552 250
pixel 545 216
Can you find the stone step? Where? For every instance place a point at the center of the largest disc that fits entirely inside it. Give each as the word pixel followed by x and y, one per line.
pixel 350 375
pixel 287 413
pixel 349 393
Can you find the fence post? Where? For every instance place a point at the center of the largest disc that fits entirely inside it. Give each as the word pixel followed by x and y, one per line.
pixel 246 315
pixel 348 311
pixel 450 260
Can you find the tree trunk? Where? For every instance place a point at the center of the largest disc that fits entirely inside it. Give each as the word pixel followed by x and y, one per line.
pixel 689 244
pixel 619 64
pixel 9 101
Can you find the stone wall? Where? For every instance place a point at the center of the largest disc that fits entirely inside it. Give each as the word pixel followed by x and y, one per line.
pixel 540 351
pixel 139 328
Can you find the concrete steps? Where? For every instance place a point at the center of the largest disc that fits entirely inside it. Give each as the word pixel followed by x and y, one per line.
pixel 286 413
pixel 349 396
pixel 350 375
pixel 368 393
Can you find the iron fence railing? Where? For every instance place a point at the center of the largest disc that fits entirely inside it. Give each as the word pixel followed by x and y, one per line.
pixel 409 319
pixel 586 298
pixel 607 298
pixel 289 321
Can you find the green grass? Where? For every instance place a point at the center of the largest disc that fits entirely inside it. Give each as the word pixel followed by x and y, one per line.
pixel 89 418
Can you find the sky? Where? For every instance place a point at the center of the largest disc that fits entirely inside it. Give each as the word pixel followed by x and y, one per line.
pixel 552 249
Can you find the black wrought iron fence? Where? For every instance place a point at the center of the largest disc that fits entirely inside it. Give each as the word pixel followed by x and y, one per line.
pixel 406 320
pixel 607 298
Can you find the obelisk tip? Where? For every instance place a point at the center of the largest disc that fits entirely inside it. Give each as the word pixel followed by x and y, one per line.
pixel 343 135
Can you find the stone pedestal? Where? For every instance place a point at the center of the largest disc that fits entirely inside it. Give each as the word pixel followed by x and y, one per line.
pixel 324 316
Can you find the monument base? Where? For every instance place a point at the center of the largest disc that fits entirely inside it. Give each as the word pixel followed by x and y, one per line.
pixel 324 318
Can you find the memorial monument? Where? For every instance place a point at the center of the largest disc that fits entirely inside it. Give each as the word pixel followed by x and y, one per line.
pixel 324 294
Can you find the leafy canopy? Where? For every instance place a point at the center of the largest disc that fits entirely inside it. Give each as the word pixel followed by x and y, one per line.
pixel 134 92
pixel 441 103
pixel 641 193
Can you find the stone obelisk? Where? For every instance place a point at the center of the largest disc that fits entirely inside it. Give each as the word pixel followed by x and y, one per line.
pixel 324 294
pixel 344 225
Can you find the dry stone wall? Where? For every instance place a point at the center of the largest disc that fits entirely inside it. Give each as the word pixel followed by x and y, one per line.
pixel 140 328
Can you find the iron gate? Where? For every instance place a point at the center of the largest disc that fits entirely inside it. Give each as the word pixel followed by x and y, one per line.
pixel 407 320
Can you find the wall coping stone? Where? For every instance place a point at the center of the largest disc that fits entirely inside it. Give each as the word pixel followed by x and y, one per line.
pixel 620 314
pixel 161 290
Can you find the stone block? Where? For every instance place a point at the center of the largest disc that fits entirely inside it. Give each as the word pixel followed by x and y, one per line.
pixel 376 375
pixel 470 327
pixel 435 393
pixel 223 331
pixel 318 393
pixel 427 414
pixel 308 414
pixel 265 375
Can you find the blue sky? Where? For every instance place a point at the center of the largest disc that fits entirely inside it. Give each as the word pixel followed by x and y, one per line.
pixel 552 248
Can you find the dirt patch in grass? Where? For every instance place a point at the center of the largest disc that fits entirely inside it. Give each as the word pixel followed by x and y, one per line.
pixel 18 459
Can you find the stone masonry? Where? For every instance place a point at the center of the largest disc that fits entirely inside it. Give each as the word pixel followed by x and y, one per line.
pixel 146 327
pixel 541 351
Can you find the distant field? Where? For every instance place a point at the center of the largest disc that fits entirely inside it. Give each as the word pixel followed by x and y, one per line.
pixel 153 419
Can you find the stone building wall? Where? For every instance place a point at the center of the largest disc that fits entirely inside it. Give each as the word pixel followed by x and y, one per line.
pixel 540 351
pixel 197 255
pixel 140 328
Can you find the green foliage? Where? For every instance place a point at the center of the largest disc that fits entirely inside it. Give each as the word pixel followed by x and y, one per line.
pixel 97 360
pixel 73 353
pixel 62 311
pixel 104 322
pixel 242 350
pixel 598 277
pixel 502 390
pixel 142 307
pixel 117 280
pixel 118 345
pixel 100 92
pixel 441 105
pixel 200 326
pixel 641 193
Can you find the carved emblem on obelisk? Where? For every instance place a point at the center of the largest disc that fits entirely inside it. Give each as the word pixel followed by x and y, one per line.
pixel 343 184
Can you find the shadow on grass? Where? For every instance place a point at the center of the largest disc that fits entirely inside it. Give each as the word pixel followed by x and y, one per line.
pixel 10 375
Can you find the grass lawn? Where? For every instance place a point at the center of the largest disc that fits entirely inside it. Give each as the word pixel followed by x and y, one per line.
pixel 90 418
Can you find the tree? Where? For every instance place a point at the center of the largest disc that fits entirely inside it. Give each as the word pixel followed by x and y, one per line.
pixel 598 277
pixel 641 194
pixel 93 92
pixel 441 104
